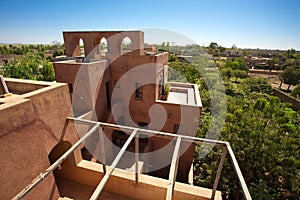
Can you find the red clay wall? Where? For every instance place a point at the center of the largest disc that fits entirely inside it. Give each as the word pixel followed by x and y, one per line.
pixel 31 125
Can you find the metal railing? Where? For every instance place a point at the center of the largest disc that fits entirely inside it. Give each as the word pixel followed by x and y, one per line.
pixel 134 135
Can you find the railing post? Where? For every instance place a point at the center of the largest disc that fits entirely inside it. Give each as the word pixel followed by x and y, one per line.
pixel 103 150
pixel 5 88
pixel 173 169
pixel 238 173
pixel 219 171
pixel 105 178
pixel 137 158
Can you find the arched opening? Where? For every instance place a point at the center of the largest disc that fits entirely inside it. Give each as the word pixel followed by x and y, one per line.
pixel 126 45
pixel 102 47
pixel 59 150
pixel 81 45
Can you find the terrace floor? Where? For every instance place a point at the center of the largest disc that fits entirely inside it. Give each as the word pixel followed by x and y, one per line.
pixel 72 190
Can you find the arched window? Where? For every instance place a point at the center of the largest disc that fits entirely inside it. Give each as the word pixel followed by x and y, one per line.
pixel 126 45
pixel 81 45
pixel 103 47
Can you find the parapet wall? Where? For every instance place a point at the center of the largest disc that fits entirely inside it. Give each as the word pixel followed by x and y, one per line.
pixel 91 40
pixel 32 122
pixel 122 183
pixel 286 98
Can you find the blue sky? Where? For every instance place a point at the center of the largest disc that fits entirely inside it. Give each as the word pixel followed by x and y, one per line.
pixel 272 24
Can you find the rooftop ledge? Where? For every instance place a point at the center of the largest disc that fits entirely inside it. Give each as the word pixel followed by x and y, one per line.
pixel 21 89
pixel 78 60
pixel 184 94
pixel 122 183
pixel 83 59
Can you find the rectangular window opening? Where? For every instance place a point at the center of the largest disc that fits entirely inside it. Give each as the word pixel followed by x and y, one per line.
pixel 138 91
pixel 176 128
pixel 70 87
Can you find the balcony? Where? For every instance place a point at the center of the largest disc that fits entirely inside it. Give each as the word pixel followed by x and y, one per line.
pixel 95 180
pixel 184 94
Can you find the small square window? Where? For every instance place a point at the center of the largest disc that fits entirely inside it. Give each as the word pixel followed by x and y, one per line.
pixel 138 91
pixel 176 128
pixel 70 87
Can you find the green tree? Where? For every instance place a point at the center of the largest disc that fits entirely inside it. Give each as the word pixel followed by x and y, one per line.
pixel 183 71
pixel 257 125
pixel 290 76
pixel 47 72
pixel 263 132
pixel 31 66
pixel 239 74
pixel 271 63
pixel 256 85
pixel 296 92
pixel 58 52
pixel 222 49
pixel 172 57
pixel 4 49
pixel 234 47
pixel 213 45
pixel 237 63
pixel 291 53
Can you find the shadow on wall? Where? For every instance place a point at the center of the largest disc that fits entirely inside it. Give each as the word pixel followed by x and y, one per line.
pixel 58 150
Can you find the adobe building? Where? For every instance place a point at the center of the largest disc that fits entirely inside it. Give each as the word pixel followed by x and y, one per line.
pixel 128 85
pixel 94 136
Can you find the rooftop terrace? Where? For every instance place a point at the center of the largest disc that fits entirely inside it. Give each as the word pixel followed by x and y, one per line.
pixel 127 184
pixel 184 94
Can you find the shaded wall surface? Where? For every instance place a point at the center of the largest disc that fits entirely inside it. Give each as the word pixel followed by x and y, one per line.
pixel 31 125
